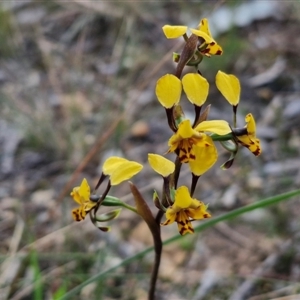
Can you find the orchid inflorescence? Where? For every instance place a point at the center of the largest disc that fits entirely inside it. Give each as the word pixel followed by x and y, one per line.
pixel 192 141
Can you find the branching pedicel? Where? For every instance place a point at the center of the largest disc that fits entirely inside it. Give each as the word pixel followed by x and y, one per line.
pixel 192 142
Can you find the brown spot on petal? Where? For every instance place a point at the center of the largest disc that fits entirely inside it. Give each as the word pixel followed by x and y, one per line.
pixel 192 157
pixel 191 229
pixel 181 223
pixel 257 151
pixel 184 150
pixel 77 215
pixel 183 158
pixel 183 230
pixel 167 222
pixel 219 52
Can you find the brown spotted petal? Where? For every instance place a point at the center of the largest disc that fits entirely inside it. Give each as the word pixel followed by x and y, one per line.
pixel 81 195
pixel 249 139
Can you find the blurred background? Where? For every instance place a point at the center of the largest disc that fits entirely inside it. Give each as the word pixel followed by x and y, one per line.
pixel 77 81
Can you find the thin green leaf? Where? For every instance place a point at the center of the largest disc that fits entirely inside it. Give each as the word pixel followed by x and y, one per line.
pixel 38 286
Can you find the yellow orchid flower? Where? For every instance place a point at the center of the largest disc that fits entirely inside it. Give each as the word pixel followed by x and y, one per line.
pixel 161 165
pixel 184 210
pixel 249 139
pixel 229 86
pixel 210 46
pixel 195 147
pixel 120 169
pixel 81 194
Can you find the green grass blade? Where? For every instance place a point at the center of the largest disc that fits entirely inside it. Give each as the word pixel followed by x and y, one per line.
pixel 60 292
pixel 38 286
pixel 209 223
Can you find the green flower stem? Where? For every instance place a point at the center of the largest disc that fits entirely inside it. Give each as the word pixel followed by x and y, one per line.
pixel 114 201
pixel 226 137
pixel 209 223
pixel 130 207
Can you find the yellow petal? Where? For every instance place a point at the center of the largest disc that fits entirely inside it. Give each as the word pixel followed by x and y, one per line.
pixel 205 158
pixel 207 38
pixel 200 212
pixel 173 142
pixel 170 217
pixel 182 198
pixel 229 86
pixel 84 190
pixel 124 172
pixel 81 193
pixel 88 205
pixel 161 165
pixel 203 26
pixel 168 90
pixel 251 126
pixel 185 130
pixel 75 195
pixel 196 88
pixel 195 204
pixel 173 32
pixel 112 163
pixel 219 127
pixel 213 49
pixel 252 144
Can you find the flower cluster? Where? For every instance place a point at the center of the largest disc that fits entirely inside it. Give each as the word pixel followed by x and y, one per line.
pixel 193 141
